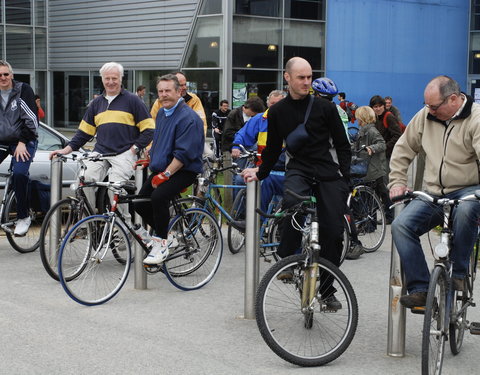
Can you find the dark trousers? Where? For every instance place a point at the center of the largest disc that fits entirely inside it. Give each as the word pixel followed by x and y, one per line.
pixel 156 212
pixel 331 206
pixel 20 179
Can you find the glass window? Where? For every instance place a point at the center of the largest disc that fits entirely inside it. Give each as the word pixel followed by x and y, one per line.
pixel 269 8
pixel 40 90
pixel 475 53
pixel 305 9
pixel 305 39
pixel 18 12
pixel 40 13
pixel 40 48
pixel 211 7
pixel 259 47
pixel 257 82
pixel 205 45
pixel 19 45
pixel 205 83
pixel 48 141
pixel 148 78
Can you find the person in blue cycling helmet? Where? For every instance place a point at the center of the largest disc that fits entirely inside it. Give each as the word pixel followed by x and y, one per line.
pixel 325 87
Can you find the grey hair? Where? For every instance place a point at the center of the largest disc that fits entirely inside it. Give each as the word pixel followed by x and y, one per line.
pixel 170 77
pixel 276 93
pixel 5 63
pixel 111 66
pixel 448 86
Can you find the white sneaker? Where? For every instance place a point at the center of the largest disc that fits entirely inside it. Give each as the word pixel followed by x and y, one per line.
pixel 22 226
pixel 158 253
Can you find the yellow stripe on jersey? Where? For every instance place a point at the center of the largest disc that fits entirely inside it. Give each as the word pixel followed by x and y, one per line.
pixel 262 138
pixel 148 123
pixel 119 117
pixel 87 128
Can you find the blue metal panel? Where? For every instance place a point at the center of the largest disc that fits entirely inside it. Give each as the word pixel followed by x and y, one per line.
pixel 394 47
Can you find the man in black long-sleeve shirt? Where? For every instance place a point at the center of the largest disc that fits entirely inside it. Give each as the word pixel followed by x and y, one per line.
pixel 323 163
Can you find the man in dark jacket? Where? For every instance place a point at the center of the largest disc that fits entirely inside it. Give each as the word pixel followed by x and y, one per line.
pixel 18 132
pixel 321 166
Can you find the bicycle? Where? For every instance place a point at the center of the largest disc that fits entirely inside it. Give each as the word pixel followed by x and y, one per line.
pixel 310 317
pixel 66 212
pixel 8 217
pixel 445 308
pixel 95 255
pixel 368 215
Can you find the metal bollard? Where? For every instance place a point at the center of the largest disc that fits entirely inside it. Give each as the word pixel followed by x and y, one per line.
pixel 56 172
pixel 252 250
pixel 396 312
pixel 140 274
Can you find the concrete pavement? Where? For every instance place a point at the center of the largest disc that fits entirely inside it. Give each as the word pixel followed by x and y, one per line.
pixel 163 330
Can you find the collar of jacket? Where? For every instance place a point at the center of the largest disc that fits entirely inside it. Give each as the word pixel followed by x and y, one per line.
pixel 187 97
pixel 467 110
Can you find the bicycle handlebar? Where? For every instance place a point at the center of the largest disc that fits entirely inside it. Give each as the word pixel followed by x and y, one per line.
pixel 409 195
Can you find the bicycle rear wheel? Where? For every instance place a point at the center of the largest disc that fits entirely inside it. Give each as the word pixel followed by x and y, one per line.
pixel 194 262
pixel 88 264
pixel 346 239
pixel 58 221
pixel 30 241
pixel 435 328
pixel 368 216
pixel 305 340
pixel 235 237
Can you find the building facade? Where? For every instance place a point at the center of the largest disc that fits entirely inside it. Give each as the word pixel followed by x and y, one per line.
pixel 230 49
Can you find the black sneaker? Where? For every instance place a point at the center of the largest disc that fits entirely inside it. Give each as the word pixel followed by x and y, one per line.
pixel 332 303
pixel 417 299
pixel 355 251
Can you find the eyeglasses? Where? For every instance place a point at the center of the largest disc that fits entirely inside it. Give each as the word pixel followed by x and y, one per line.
pixel 435 107
pixel 4 74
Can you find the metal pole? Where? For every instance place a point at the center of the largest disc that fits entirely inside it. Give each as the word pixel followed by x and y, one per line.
pixel 251 246
pixel 140 274
pixel 396 312
pixel 56 171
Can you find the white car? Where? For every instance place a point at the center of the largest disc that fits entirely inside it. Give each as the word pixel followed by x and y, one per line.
pixel 48 140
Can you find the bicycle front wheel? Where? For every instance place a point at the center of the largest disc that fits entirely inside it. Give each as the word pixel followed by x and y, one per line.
pixel 368 217
pixel 193 262
pixel 235 237
pixel 435 328
pixel 30 241
pixel 283 323
pixel 88 263
pixel 59 220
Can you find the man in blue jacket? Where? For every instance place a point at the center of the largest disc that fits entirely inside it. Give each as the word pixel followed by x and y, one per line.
pixel 18 132
pixel 175 161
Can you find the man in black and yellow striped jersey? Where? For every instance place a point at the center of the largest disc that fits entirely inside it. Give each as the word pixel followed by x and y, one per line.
pixel 122 125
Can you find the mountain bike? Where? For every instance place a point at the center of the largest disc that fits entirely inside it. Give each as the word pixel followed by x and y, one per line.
pixel 306 309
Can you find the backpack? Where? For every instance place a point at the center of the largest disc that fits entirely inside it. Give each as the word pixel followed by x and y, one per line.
pixel 350 108
pixel 385 124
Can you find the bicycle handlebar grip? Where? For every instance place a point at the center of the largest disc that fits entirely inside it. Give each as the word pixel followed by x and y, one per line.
pixel 300 197
pixel 398 198
pixel 264 214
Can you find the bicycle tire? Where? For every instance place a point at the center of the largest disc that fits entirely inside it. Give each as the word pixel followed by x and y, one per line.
pixel 194 262
pixel 435 328
pixel 284 326
pixel 89 271
pixel 30 241
pixel 70 211
pixel 346 239
pixel 274 227
pixel 368 217
pixel 235 237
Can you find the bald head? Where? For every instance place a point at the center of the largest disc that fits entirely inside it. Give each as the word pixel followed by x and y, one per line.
pixel 296 62
pixel 442 97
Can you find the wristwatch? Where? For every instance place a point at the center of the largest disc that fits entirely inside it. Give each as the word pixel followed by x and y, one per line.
pixel 167 174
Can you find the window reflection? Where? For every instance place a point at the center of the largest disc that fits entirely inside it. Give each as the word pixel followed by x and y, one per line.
pixel 305 9
pixel 270 8
pixel 211 7
pixel 18 12
pixel 19 42
pixel 258 82
pixel 204 48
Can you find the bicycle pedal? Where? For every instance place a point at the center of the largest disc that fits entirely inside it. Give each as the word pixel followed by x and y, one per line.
pixel 475 328
pixel 418 310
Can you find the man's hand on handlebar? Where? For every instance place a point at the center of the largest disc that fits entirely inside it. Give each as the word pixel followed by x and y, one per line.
pixel 397 191
pixel 63 151
pixel 249 174
pixel 236 153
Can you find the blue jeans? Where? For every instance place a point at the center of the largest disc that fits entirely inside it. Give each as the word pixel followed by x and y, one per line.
pixel 417 218
pixel 20 179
